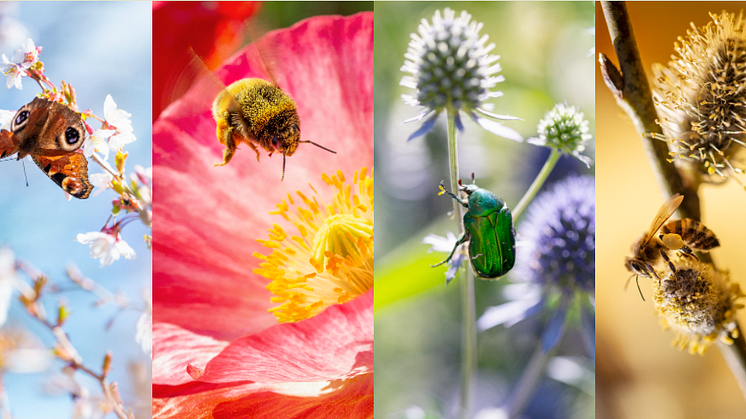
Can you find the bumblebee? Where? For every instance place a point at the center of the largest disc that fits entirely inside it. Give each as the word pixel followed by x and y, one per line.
pixel 258 113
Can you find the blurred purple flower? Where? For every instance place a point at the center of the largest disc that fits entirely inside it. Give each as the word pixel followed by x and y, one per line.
pixel 556 256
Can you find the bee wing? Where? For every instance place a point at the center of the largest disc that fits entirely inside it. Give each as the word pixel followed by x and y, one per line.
pixel 263 53
pixel 198 87
pixel 664 213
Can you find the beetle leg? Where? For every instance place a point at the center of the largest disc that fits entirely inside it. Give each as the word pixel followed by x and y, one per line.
pixel 443 188
pixel 459 242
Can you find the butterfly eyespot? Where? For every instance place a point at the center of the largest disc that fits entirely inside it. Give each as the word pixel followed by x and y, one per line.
pixel 72 135
pixel 21 117
pixel 72 186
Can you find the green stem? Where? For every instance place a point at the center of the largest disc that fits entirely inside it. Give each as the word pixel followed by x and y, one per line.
pixel 536 185
pixel 526 385
pixel 468 306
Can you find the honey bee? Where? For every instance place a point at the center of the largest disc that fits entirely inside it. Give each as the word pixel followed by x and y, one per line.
pixel 688 234
pixel 258 113
pixel 683 235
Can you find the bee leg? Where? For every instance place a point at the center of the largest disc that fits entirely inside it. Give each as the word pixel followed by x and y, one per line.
pixel 256 150
pixel 461 240
pixel 225 136
pixel 687 251
pixel 670 264
pixel 651 271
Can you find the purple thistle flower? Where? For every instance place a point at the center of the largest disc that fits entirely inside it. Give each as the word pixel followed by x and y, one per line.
pixel 557 255
pixel 451 67
pixel 560 231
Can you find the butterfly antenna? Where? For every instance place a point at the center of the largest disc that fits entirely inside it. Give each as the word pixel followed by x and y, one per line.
pixel 283 167
pixel 319 146
pixel 23 163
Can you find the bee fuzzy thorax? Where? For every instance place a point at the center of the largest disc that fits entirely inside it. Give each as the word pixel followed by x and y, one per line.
pixel 259 114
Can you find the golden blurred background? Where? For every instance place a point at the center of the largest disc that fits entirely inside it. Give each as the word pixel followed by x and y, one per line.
pixel 639 373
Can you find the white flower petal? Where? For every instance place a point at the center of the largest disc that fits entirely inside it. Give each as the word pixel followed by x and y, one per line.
pixel 144 333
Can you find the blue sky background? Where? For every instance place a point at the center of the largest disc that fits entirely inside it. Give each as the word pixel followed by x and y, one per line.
pixel 100 48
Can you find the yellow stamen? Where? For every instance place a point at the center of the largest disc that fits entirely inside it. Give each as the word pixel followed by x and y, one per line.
pixel 330 260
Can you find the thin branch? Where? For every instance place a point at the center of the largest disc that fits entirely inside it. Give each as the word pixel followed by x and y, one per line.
pixel 632 93
pixel 631 89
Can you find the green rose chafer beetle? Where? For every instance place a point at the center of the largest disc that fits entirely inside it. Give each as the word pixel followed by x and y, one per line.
pixel 488 226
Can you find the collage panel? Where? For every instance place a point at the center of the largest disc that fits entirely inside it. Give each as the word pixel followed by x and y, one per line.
pixel 263 281
pixel 75 230
pixel 265 124
pixel 507 87
pixel 665 346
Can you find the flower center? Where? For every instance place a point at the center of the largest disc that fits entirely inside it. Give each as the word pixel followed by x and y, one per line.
pixel 330 261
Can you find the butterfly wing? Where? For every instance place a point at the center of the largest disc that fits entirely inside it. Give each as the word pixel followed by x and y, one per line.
pixel 68 170
pixel 9 143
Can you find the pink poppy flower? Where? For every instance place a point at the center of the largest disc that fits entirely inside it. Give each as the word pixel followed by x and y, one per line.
pixel 218 348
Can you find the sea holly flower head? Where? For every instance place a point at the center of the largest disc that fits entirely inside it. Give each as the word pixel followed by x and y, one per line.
pixel 452 68
pixel 700 98
pixel 560 231
pixel 565 129
pixel 556 258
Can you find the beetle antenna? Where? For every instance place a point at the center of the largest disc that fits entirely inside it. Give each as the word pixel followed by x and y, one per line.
pixel 319 146
pixel 283 167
